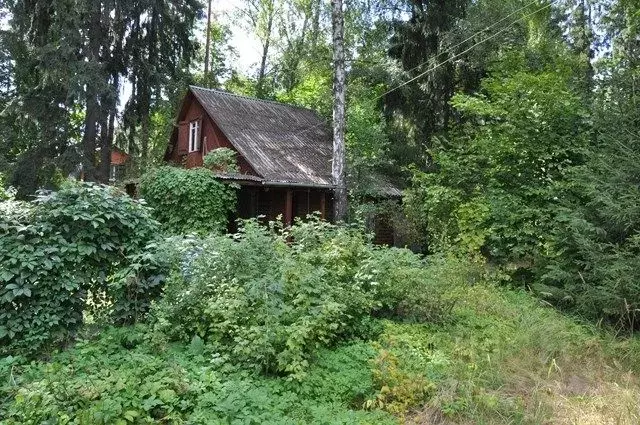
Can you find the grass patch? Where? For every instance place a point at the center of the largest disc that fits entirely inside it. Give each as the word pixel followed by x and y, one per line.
pixel 502 358
pixel 508 359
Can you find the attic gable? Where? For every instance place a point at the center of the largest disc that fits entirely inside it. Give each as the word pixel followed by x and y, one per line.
pixel 283 143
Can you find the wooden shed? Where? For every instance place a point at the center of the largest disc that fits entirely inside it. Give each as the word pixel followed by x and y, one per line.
pixel 284 152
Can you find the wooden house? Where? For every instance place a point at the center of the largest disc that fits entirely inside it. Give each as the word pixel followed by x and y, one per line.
pixel 119 159
pixel 284 152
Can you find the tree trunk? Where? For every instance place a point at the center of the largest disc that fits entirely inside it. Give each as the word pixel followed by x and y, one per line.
pixel 146 88
pixel 207 47
pixel 316 11
pixel 586 46
pixel 92 112
pixel 102 174
pixel 144 137
pixel 107 128
pixel 265 52
pixel 339 94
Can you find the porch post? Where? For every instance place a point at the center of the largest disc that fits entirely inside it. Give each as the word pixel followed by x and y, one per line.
pixel 323 204
pixel 288 208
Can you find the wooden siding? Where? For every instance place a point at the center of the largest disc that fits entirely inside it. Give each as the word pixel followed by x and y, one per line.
pixel 118 157
pixel 254 201
pixel 210 134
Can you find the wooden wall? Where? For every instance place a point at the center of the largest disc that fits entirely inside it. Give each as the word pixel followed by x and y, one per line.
pixel 272 202
pixel 211 137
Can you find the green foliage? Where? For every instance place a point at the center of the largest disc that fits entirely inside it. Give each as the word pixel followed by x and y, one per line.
pixel 500 359
pixel 265 303
pixel 222 160
pixel 399 390
pixel 120 377
pixel 58 250
pixel 592 266
pixel 269 300
pixel 413 289
pixel 6 193
pixel 188 200
pixel 312 91
pixel 500 175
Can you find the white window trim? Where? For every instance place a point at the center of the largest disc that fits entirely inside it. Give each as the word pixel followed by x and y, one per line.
pixel 194 136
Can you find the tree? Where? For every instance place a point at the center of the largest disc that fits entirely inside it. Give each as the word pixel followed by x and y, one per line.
pixel 38 122
pixel 592 264
pixel 261 16
pixel 208 42
pixel 498 174
pixel 339 95
pixel 160 49
pixel 68 61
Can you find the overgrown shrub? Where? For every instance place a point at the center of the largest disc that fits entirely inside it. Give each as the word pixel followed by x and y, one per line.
pixel 592 262
pixel 412 288
pixel 398 389
pixel 496 180
pixel 189 200
pixel 222 160
pixel 119 377
pixel 269 299
pixel 263 302
pixel 59 250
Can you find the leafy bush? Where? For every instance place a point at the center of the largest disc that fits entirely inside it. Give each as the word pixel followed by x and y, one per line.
pixel 496 179
pixel 189 200
pixel 59 250
pixel 269 299
pixel 412 288
pixel 222 159
pixel 265 303
pixel 399 390
pixel 119 377
pixel 592 264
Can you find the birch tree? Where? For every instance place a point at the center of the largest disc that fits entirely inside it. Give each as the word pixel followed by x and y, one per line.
pixel 339 91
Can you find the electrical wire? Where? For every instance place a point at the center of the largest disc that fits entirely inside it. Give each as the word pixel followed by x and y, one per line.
pixel 504 18
pixel 546 6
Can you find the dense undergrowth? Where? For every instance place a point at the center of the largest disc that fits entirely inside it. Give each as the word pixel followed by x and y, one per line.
pixel 310 324
pixel 501 358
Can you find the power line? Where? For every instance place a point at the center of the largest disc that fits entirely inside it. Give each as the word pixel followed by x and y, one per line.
pixel 478 33
pixel 464 51
pixel 546 6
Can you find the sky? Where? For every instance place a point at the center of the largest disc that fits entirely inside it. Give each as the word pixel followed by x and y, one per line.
pixel 245 44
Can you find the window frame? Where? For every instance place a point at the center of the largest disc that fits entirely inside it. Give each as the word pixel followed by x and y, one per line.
pixel 194 140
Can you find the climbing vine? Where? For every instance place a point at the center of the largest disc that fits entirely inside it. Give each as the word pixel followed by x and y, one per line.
pixel 189 200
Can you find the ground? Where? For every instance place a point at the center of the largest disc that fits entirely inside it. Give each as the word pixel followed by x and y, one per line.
pixel 501 358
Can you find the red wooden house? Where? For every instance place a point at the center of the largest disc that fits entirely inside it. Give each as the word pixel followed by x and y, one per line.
pixel 119 159
pixel 284 152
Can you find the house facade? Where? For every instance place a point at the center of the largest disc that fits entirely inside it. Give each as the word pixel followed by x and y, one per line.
pixel 284 152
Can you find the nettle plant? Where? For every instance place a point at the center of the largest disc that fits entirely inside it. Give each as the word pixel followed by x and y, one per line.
pixel 189 200
pixel 58 252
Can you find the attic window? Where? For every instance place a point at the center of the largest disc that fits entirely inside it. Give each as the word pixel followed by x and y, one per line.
pixel 194 136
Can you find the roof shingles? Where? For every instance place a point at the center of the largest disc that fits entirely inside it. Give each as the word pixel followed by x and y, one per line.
pixel 283 143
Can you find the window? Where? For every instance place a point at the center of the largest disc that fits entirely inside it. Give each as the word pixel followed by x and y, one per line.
pixel 194 136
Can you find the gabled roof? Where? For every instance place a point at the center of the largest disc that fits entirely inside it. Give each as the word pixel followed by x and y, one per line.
pixel 283 143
